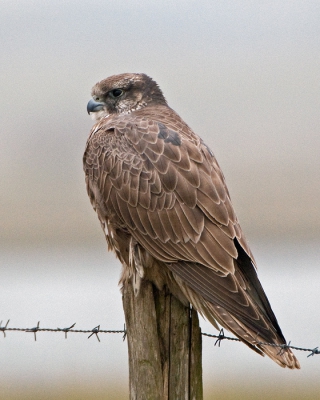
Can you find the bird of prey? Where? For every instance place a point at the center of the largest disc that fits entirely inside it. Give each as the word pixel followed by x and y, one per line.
pixel 164 206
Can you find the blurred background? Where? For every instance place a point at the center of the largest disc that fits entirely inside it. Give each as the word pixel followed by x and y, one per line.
pixel 246 77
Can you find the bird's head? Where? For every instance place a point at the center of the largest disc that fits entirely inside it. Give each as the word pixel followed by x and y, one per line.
pixel 123 94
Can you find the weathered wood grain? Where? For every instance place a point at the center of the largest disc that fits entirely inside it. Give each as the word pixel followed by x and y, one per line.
pixel 164 345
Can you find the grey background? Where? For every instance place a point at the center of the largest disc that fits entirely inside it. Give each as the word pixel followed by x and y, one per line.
pixel 245 76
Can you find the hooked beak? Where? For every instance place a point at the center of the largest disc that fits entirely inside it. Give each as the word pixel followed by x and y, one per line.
pixel 94 106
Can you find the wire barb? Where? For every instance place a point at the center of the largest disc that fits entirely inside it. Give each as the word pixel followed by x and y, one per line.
pixel 221 336
pixel 283 347
pixel 4 328
pixel 34 330
pixel 314 351
pixel 66 330
pixel 95 332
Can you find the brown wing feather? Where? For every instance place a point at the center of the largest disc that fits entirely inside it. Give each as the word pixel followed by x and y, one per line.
pixel 149 175
pixel 174 183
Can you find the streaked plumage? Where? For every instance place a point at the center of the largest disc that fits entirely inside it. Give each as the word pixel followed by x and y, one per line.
pixel 165 209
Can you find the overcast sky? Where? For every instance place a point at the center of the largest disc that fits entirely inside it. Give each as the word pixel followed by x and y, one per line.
pixel 244 75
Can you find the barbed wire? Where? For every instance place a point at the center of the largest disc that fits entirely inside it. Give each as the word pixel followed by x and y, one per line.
pixel 221 336
pixel 94 331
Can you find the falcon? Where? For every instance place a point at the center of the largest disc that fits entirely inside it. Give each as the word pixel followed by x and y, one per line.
pixel 166 212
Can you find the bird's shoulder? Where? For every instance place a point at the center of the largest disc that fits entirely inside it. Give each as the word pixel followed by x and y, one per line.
pixel 152 123
pixel 155 135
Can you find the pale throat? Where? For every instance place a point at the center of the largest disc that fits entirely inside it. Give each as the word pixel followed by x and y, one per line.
pixel 98 115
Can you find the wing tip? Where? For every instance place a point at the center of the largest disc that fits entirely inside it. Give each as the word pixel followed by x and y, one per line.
pixel 283 357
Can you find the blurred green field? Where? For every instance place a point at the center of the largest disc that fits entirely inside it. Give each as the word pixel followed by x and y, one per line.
pixel 264 392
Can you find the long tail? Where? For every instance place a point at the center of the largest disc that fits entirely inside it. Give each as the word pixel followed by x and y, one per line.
pixel 238 303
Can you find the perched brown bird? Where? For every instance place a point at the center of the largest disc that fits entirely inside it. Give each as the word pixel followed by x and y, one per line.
pixel 164 206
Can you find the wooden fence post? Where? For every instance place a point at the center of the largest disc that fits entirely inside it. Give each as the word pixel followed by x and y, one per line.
pixel 164 346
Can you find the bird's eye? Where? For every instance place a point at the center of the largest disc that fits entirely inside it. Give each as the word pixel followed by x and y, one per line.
pixel 117 92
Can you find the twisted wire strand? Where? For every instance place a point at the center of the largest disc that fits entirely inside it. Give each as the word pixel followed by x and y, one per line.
pixel 94 331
